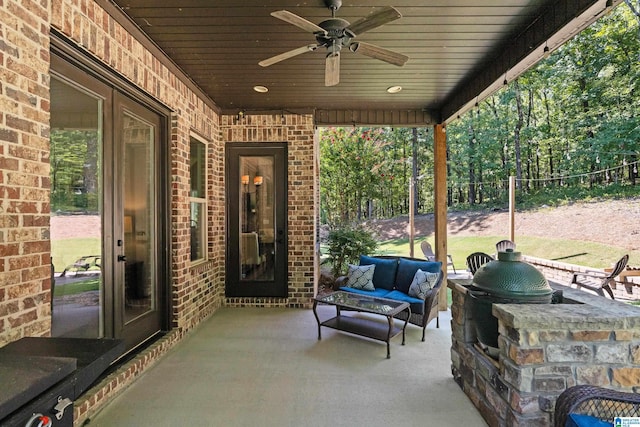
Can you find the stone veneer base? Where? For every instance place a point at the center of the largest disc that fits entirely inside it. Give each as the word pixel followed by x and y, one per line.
pixel 543 350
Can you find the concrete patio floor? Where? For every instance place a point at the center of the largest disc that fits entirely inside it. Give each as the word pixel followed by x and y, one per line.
pixel 266 367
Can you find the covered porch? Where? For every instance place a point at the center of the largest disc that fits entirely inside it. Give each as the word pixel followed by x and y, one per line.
pixel 256 366
pixel 217 361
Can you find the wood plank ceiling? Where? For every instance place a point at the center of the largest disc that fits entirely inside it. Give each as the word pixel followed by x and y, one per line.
pixel 459 50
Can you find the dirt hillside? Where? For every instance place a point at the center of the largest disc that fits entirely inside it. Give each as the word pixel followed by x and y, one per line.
pixel 599 221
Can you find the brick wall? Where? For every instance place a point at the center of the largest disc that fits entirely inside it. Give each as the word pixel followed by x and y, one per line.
pixel 25 270
pixel 298 132
pixel 25 274
pixel 196 290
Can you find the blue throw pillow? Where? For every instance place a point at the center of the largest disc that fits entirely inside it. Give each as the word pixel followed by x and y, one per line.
pixel 385 274
pixel 407 270
pixel 581 420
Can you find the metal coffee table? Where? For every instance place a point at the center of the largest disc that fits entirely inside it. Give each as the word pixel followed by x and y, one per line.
pixel 369 328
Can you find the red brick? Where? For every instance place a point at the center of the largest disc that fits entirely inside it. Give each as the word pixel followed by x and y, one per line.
pixel 7 250
pixel 22 152
pixel 10 307
pixel 7 163
pixel 22 319
pixel 24 261
pixel 35 220
pixel 20 124
pixel 22 207
pixel 38 274
pixel 9 193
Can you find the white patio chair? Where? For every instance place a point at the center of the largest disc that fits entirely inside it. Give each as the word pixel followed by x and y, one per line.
pixel 431 256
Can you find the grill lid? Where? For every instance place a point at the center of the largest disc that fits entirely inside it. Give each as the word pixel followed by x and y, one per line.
pixel 23 377
pixel 510 277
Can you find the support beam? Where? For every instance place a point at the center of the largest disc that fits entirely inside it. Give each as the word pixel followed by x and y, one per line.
pixel 398 118
pixel 512 208
pixel 440 201
pixel 412 214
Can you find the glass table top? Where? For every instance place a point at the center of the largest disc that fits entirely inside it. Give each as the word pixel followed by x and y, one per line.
pixel 363 302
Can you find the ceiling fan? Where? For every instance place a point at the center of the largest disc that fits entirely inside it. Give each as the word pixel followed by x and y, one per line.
pixel 336 33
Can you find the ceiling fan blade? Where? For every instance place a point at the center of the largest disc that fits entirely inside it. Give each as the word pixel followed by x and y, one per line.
pixel 287 55
pixel 376 19
pixel 378 52
pixel 332 69
pixel 298 21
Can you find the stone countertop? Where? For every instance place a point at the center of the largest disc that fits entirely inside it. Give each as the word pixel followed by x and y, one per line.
pixel 583 308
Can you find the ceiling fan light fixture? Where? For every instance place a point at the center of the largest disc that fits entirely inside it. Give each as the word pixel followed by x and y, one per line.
pixel 261 89
pixel 394 89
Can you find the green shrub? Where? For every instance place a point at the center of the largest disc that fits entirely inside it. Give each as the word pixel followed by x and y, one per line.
pixel 345 245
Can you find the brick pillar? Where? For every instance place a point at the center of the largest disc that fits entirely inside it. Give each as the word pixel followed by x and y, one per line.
pixel 25 270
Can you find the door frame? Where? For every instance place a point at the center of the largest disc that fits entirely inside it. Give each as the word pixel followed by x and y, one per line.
pixel 69 64
pixel 149 323
pixel 279 286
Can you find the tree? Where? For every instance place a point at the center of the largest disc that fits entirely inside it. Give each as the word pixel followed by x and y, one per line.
pixel 568 124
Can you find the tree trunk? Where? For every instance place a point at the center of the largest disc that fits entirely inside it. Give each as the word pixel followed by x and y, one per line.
pixel 472 157
pixel 414 170
pixel 516 136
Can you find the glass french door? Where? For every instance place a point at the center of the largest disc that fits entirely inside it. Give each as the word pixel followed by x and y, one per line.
pixel 256 220
pixel 77 208
pixel 136 206
pixel 105 211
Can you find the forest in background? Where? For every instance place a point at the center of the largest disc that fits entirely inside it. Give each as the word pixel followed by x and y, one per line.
pixel 567 129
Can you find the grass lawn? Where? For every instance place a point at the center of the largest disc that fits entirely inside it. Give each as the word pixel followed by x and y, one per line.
pixel 578 252
pixel 90 284
pixel 66 251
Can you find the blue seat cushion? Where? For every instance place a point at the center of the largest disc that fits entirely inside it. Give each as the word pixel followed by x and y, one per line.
pixel 384 275
pixel 581 420
pixel 407 270
pixel 417 305
pixel 378 292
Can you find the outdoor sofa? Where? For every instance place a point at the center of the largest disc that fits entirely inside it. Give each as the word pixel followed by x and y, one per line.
pixel 392 278
pixel 595 406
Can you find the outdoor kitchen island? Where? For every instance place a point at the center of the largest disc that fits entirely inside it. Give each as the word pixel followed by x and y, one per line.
pixel 543 349
pixel 41 377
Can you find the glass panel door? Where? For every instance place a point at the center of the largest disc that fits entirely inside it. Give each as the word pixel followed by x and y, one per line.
pixel 108 211
pixel 138 219
pixel 137 296
pixel 76 211
pixel 256 220
pixel 257 243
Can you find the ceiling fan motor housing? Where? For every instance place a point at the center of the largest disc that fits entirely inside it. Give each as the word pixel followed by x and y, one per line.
pixel 337 32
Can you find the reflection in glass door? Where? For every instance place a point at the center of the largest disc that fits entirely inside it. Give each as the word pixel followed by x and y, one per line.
pixel 138 219
pixel 257 243
pixel 256 220
pixel 76 211
pixel 107 202
pixel 137 307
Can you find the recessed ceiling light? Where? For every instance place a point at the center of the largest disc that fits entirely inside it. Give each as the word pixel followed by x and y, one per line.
pixel 261 89
pixel 394 89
